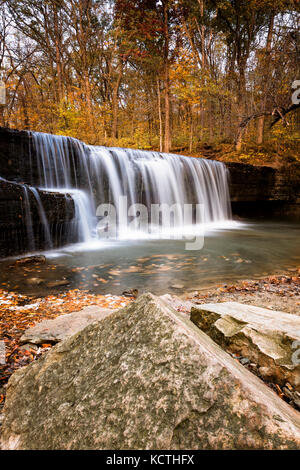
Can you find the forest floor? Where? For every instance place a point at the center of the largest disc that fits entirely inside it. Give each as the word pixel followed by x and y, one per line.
pixel 271 155
pixel 19 312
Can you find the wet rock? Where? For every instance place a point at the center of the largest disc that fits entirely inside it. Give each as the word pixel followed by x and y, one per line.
pixel 264 191
pixel 131 293
pixel 59 210
pixel 266 337
pixel 143 378
pixel 62 327
pixel 59 283
pixel 37 259
pixel 35 281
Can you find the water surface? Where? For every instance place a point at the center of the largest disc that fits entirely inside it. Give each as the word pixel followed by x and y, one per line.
pixel 159 266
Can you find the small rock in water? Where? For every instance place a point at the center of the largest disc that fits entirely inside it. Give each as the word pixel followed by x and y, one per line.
pixel 32 260
pixel 131 293
pixel 62 282
pixel 35 281
pixel 177 286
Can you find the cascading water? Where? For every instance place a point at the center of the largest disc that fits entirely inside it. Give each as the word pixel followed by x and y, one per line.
pixel 43 217
pixel 98 175
pixel 28 220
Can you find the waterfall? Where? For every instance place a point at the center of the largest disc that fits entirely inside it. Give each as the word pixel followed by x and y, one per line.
pixel 98 175
pixel 43 217
pixel 28 220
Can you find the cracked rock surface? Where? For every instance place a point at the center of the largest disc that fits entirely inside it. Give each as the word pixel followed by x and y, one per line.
pixel 268 338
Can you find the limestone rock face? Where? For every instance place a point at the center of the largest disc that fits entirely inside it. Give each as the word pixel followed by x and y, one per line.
pixel 267 337
pixel 144 377
pixel 265 191
pixel 59 209
pixel 64 326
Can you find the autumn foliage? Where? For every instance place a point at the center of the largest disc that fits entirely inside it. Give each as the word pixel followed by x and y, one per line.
pixel 164 75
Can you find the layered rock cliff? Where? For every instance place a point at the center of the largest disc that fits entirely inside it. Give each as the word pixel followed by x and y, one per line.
pixel 256 191
pixel 261 191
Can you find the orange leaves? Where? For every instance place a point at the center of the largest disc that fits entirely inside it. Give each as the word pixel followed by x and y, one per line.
pixel 18 313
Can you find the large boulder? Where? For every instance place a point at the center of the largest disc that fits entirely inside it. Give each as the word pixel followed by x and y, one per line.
pixel 145 377
pixel 268 338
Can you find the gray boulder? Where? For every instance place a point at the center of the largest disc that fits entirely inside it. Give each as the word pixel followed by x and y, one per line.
pixel 268 338
pixel 145 377
pixel 62 327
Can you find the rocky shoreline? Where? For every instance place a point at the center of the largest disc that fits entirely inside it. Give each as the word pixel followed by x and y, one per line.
pixel 278 293
pixel 155 381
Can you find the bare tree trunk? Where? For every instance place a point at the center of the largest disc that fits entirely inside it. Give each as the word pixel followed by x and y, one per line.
pixel 88 95
pixel 243 126
pixel 167 143
pixel 115 103
pixel 57 54
pixel 260 130
pixel 261 121
pixel 84 40
pixel 203 54
pixel 191 130
pixel 2 120
pixel 160 118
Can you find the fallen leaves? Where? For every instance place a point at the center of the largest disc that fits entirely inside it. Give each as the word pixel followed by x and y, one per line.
pixel 19 312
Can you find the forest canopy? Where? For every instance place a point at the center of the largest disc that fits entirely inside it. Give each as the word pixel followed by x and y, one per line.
pixel 169 75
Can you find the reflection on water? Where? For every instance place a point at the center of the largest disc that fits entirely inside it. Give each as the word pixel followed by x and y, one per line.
pixel 161 266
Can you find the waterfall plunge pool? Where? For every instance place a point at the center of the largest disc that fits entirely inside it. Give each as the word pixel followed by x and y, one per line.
pixel 93 176
pixel 247 251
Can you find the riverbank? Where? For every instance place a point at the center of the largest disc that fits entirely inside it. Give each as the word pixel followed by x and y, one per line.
pixel 19 312
pixel 278 292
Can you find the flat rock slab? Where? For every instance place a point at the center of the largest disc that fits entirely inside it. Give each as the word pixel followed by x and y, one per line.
pixel 269 338
pixel 145 377
pixel 62 327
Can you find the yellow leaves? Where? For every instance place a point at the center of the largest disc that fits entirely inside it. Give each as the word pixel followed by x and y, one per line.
pixel 186 83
